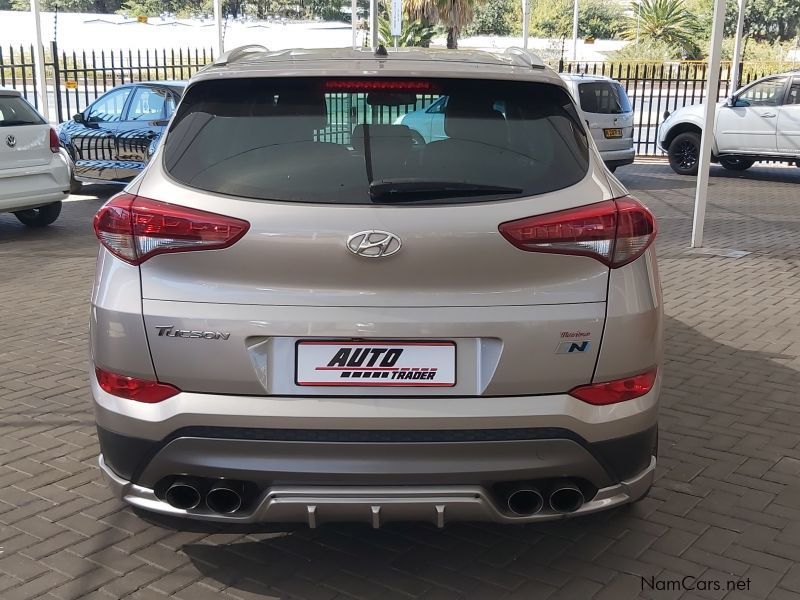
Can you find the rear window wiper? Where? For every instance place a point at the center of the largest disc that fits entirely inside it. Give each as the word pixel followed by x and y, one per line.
pixel 411 190
pixel 10 123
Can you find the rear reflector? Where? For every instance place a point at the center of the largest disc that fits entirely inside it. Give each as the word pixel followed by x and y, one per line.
pixel 131 388
pixel 54 145
pixel 619 390
pixel 135 228
pixel 615 232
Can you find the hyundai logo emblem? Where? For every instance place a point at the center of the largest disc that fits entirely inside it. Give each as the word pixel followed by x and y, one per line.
pixel 373 243
pixel 11 141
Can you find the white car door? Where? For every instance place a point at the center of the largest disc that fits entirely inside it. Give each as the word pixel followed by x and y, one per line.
pixel 789 122
pixel 750 125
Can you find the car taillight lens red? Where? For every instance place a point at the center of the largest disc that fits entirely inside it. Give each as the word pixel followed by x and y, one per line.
pixel 136 228
pixel 615 232
pixel 619 390
pixel 132 388
pixel 54 145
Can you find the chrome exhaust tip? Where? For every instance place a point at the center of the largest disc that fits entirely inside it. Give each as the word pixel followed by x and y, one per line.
pixel 224 498
pixel 566 497
pixel 182 494
pixel 525 502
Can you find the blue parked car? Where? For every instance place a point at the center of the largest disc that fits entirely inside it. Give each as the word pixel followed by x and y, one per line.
pixel 112 139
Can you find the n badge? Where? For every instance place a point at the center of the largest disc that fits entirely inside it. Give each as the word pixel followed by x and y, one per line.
pixel 571 347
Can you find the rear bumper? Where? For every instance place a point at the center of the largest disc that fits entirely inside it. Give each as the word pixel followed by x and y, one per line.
pixel 377 505
pixel 618 158
pixel 344 473
pixel 30 187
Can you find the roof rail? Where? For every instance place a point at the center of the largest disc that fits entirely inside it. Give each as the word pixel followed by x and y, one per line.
pixel 526 56
pixel 233 55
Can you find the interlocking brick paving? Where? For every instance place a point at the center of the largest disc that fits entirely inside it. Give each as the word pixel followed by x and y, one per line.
pixel 726 505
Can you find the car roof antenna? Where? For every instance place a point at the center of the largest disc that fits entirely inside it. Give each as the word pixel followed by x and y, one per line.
pixel 381 50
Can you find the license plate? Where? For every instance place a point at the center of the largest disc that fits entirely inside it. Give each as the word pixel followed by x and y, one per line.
pixel 612 133
pixel 375 364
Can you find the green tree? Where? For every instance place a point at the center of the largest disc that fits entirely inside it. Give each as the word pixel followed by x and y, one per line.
pixel 98 6
pixel 492 18
pixel 453 15
pixel 415 33
pixel 142 8
pixel 644 51
pixel 665 21
pixel 602 19
pixel 765 20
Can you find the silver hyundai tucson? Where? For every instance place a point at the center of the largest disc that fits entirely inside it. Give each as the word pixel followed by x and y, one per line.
pixel 306 311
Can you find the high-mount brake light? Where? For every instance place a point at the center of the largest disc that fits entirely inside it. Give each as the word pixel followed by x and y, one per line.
pixel 380 85
pixel 615 232
pixel 134 228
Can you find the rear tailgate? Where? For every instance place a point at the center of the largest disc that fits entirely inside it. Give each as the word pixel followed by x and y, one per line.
pixel 24 135
pixel 235 320
pixel 608 113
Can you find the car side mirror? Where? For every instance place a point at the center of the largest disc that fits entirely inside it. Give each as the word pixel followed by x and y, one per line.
pixel 78 118
pixel 730 102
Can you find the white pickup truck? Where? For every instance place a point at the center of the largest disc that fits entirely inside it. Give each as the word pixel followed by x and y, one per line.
pixel 759 122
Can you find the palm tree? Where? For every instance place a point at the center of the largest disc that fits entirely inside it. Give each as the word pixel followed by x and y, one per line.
pixel 666 21
pixel 453 15
pixel 414 33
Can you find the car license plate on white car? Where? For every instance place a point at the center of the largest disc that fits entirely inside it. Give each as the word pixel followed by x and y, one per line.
pixel 612 133
pixel 375 364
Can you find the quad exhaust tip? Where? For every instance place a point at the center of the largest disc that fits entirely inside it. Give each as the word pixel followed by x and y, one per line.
pixel 224 498
pixel 525 502
pixel 566 497
pixel 183 494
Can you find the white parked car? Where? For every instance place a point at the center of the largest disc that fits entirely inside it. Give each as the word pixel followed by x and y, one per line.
pixel 759 122
pixel 34 172
pixel 608 113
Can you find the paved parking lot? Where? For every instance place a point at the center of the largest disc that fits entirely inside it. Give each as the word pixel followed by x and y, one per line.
pixel 725 508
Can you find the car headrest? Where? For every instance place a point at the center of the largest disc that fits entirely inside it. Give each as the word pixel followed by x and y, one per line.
pixel 307 104
pixel 475 120
pixel 588 99
pixel 399 135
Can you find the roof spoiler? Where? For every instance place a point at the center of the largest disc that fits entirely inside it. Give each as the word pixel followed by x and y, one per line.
pixel 232 56
pixel 525 57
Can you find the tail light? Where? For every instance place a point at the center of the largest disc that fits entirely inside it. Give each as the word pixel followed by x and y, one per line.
pixel 615 232
pixel 54 145
pixel 132 388
pixel 135 228
pixel 618 390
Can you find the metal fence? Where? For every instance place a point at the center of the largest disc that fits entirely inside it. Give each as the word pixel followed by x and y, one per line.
pixel 75 79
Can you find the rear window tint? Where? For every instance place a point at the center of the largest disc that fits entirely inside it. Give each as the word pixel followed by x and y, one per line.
pixel 356 141
pixel 16 111
pixel 603 97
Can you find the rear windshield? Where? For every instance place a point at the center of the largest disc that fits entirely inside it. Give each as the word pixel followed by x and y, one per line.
pixel 603 97
pixel 360 141
pixel 16 111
